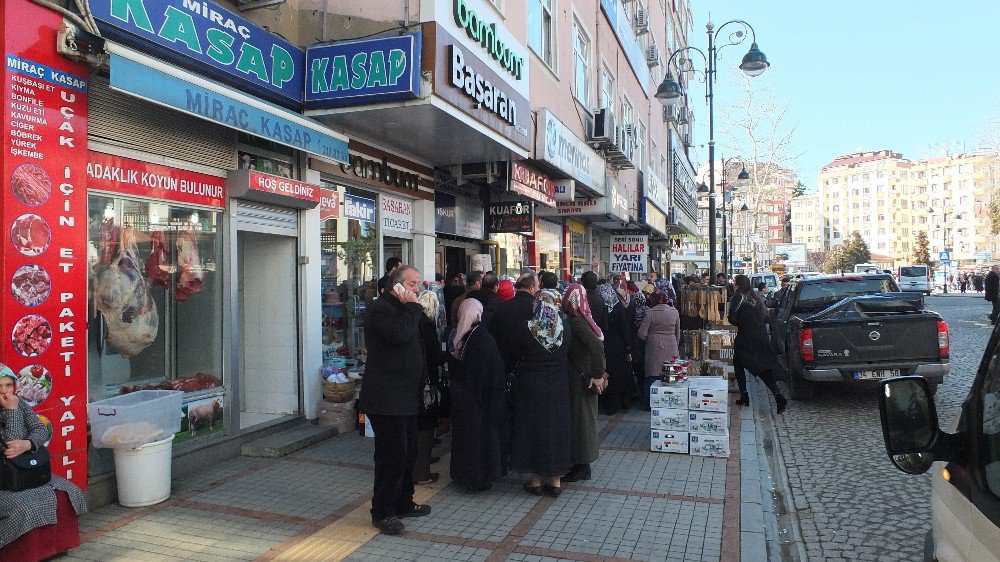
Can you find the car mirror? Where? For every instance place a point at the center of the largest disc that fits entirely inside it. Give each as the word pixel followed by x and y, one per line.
pixel 909 423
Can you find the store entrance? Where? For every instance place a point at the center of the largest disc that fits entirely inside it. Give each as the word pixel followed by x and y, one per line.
pixel 455 260
pixel 397 248
pixel 268 327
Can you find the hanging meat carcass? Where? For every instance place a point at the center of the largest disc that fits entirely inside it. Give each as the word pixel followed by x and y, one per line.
pixel 122 296
pixel 192 274
pixel 158 262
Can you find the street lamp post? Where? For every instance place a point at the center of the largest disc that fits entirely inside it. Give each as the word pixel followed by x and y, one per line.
pixel 727 247
pixel 670 91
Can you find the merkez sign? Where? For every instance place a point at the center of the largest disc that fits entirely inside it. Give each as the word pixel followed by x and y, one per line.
pixel 364 71
pixel 208 39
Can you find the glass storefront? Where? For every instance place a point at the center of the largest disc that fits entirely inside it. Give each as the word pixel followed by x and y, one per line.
pixel 156 296
pixel 513 254
pixel 549 244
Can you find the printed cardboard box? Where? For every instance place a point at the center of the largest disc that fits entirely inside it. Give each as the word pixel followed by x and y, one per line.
pixel 709 394
pixel 669 395
pixel 712 423
pixel 669 419
pixel 668 441
pixel 705 445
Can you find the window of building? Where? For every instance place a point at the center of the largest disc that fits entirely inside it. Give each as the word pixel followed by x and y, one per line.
pixel 607 88
pixel 581 64
pixel 640 147
pixel 540 29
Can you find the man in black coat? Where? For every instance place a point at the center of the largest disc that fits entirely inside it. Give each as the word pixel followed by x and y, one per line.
pixel 487 295
pixel 391 396
pixel 390 265
pixel 511 314
pixel 993 292
pixel 597 307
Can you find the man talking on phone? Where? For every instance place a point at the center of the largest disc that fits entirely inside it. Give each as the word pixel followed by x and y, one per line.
pixel 390 397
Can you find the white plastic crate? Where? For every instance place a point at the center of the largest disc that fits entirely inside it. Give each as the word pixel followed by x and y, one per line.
pixel 161 408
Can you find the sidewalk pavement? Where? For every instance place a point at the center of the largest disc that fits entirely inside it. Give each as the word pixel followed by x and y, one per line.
pixel 313 505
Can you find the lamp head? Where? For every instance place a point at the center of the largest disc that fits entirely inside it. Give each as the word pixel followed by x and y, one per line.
pixel 702 188
pixel 743 175
pixel 718 214
pixel 744 208
pixel 754 62
pixel 669 92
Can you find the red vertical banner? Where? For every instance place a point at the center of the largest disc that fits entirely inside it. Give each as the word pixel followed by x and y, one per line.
pixel 43 308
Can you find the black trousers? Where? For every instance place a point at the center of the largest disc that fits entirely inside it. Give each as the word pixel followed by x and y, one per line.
pixel 395 455
pixel 996 311
pixel 767 377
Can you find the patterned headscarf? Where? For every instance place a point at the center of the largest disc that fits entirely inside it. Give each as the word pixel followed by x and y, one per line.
pixel 6 371
pixel 429 301
pixel 575 304
pixel 608 295
pixel 657 297
pixel 641 306
pixel 469 316
pixel 620 284
pixel 546 324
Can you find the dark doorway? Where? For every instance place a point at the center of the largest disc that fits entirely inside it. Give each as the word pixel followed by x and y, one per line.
pixel 454 260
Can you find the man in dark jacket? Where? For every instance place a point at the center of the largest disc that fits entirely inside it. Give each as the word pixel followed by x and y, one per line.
pixel 511 314
pixel 993 292
pixel 487 295
pixel 597 307
pixel 391 395
pixel 390 265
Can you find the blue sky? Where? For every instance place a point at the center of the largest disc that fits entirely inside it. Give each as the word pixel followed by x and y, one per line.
pixel 902 75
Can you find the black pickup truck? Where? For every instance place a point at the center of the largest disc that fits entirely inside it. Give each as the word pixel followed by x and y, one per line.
pixel 856 327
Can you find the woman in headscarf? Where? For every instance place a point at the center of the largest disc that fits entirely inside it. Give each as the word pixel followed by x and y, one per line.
pixel 619 339
pixel 435 357
pixel 479 424
pixel 455 288
pixel 661 330
pixel 752 348
pixel 541 440
pixel 586 380
pixel 637 308
pixel 37 523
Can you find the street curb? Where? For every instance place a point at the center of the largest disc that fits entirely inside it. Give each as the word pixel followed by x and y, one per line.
pixel 786 532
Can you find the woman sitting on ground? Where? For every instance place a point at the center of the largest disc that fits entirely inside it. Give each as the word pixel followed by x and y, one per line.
pixel 41 522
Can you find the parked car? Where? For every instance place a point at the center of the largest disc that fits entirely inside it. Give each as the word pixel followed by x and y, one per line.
pixel 964 462
pixel 856 327
pixel 915 278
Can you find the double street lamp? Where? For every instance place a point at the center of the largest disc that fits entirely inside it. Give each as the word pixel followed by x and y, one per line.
pixel 670 92
pixel 727 196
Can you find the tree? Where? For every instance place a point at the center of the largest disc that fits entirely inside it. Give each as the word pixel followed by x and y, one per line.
pixel 800 189
pixel 834 260
pixel 921 249
pixel 856 250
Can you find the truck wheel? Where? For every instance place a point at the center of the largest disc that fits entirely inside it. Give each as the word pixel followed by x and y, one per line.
pixel 800 388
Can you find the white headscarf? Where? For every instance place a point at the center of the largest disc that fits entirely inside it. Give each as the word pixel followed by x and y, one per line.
pixel 470 314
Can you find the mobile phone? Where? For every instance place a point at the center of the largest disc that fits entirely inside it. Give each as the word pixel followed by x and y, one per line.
pixel 399 289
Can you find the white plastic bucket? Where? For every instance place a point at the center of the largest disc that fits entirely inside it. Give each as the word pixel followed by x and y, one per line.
pixel 144 473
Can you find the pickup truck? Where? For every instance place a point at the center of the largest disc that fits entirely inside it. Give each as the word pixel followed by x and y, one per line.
pixel 856 327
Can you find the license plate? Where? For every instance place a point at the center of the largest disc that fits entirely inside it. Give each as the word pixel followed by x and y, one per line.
pixel 879 374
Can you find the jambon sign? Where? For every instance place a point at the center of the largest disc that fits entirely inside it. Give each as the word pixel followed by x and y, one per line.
pixel 43 336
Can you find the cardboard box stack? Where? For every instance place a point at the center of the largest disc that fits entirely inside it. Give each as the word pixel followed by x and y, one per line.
pixel 690 417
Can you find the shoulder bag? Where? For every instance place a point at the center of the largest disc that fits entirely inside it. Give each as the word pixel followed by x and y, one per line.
pixel 25 471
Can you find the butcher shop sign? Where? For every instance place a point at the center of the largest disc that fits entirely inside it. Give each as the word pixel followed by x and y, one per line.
pixel 132 177
pixel 44 213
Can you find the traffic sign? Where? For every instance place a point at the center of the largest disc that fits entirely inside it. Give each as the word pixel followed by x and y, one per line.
pixel 945 257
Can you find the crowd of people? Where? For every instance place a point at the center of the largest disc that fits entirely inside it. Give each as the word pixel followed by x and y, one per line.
pixel 530 363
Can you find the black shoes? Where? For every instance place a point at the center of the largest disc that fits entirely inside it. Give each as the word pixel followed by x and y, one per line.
pixel 534 490
pixel 553 491
pixel 744 399
pixel 418 510
pixel 389 526
pixel 781 402
pixel 577 473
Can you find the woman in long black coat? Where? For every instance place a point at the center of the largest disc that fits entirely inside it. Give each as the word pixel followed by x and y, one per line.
pixel 752 348
pixel 479 420
pixel 619 341
pixel 541 435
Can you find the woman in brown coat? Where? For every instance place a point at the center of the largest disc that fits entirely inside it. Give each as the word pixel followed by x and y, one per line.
pixel 661 330
pixel 587 379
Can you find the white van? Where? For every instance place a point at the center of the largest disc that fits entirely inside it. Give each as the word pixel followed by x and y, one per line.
pixel 768 278
pixel 915 278
pixel 867 268
pixel 965 463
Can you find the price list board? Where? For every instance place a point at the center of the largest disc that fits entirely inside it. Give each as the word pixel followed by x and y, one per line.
pixel 43 309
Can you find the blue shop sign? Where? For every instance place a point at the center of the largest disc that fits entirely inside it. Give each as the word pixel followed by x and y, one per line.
pixel 210 39
pixel 364 71
pixel 459 216
pixel 359 208
pixel 232 109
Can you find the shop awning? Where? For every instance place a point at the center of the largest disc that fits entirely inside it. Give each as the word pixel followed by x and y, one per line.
pixel 430 130
pixel 161 83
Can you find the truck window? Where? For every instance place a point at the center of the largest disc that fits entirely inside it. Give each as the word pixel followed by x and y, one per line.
pixel 816 296
pixel 991 424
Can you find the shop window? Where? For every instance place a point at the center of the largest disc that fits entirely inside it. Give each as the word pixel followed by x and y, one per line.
pixel 156 296
pixel 540 29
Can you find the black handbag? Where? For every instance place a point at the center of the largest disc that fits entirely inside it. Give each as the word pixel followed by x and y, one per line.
pixel 25 471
